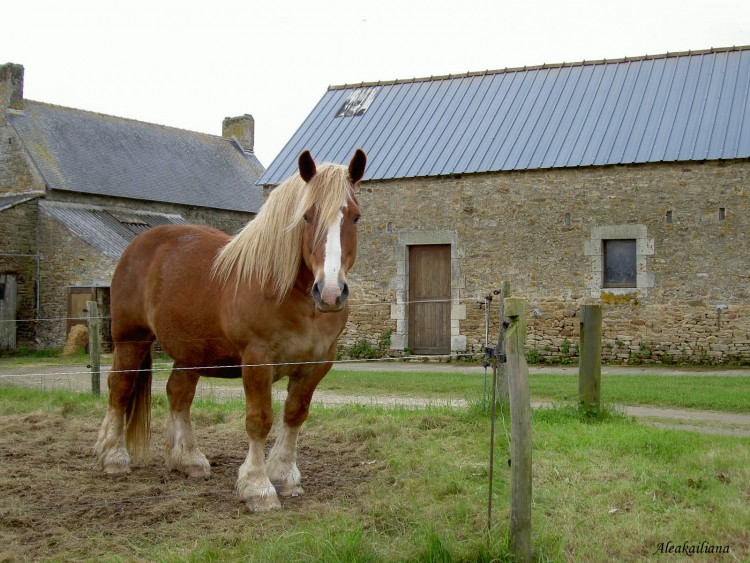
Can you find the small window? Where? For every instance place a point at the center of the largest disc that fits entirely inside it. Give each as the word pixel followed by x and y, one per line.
pixel 358 102
pixel 619 263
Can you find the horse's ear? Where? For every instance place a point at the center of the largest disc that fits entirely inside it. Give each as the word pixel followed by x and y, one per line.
pixel 357 166
pixel 306 166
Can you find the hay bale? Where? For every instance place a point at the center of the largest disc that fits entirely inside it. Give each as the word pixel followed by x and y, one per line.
pixel 78 339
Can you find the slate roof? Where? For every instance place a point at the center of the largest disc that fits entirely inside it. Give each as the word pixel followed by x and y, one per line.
pixel 673 107
pixel 11 200
pixel 86 152
pixel 108 230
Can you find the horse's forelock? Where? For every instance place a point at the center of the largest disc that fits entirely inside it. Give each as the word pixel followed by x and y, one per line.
pixel 327 192
pixel 269 247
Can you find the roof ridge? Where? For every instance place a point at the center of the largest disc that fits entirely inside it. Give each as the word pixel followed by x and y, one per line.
pixel 539 67
pixel 129 119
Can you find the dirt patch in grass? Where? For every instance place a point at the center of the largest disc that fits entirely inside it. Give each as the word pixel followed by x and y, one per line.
pixel 56 504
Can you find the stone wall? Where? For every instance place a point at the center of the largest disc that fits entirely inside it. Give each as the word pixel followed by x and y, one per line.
pixel 67 261
pixel 15 174
pixel 542 230
pixel 17 236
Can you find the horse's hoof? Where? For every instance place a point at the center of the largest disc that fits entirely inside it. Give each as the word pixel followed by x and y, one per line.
pixel 116 469
pixel 198 472
pixel 289 491
pixel 263 504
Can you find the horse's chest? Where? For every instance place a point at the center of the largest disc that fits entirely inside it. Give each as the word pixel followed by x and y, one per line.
pixel 314 343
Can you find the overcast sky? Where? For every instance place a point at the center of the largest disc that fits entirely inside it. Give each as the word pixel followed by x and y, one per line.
pixel 190 64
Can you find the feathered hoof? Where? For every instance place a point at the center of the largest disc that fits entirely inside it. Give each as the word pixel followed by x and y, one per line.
pixel 116 462
pixel 198 471
pixel 114 468
pixel 263 504
pixel 192 464
pixel 289 491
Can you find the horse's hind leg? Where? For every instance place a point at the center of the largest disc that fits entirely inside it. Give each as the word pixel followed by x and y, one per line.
pixel 128 362
pixel 282 459
pixel 182 449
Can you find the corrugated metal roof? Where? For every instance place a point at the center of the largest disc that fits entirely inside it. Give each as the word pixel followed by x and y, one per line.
pixel 674 107
pixel 87 152
pixel 108 230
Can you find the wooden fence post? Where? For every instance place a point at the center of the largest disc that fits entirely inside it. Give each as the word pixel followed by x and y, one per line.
pixel 520 422
pixel 94 351
pixel 590 354
pixel 500 387
pixel 503 390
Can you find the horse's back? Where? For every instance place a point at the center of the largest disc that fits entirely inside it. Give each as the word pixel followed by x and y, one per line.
pixel 160 265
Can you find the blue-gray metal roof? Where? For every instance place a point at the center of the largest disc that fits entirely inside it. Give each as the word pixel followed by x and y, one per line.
pixel 108 230
pixel 674 107
pixel 87 152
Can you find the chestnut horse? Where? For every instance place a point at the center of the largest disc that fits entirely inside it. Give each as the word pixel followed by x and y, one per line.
pixel 274 294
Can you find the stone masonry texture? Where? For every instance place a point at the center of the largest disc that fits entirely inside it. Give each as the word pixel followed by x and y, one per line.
pixel 539 230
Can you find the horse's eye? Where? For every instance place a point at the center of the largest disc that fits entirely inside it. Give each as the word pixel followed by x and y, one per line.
pixel 307 219
pixel 356 219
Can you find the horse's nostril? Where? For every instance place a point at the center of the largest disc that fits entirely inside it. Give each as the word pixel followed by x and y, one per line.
pixel 316 292
pixel 345 291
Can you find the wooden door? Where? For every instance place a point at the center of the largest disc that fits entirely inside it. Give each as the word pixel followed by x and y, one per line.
pixel 8 312
pixel 429 299
pixel 77 298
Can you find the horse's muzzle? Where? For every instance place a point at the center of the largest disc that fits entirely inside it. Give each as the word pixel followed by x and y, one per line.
pixel 330 298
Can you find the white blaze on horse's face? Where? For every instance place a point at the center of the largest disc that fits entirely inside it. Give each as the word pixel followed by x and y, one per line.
pixel 330 289
pixel 332 264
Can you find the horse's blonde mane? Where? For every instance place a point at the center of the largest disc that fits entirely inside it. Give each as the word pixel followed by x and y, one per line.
pixel 267 250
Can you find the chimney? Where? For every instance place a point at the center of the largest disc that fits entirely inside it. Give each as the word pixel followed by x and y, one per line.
pixel 11 89
pixel 241 129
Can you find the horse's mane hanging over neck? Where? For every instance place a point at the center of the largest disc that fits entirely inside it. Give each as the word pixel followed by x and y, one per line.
pixel 268 249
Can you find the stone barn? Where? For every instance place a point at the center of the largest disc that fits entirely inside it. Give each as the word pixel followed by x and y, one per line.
pixel 621 182
pixel 77 186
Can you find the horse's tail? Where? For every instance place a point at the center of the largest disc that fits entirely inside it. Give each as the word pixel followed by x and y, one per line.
pixel 138 413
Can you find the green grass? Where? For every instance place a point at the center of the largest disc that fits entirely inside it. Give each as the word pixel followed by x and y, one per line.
pixel 415 384
pixel 606 490
pixel 704 392
pixel 51 357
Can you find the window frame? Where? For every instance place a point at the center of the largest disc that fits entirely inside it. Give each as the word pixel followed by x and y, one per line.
pixel 606 283
pixel 644 250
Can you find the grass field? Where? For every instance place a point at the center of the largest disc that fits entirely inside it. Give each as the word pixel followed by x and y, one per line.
pixel 715 392
pixel 607 490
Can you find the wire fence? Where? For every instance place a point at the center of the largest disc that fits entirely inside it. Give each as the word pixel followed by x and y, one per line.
pixel 77 378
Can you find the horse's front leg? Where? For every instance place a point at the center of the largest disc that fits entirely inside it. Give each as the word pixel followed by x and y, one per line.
pixel 253 484
pixel 282 459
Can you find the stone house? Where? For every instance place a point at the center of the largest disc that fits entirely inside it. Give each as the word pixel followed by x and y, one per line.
pixel 77 186
pixel 622 182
